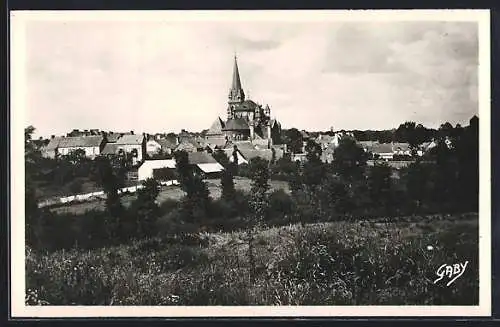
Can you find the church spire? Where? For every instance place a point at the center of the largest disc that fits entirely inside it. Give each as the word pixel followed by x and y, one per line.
pixel 236 93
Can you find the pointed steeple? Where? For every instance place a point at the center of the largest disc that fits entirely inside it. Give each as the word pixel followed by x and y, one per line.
pixel 236 93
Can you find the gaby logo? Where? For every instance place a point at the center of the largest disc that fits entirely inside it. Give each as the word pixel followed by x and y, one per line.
pixel 453 272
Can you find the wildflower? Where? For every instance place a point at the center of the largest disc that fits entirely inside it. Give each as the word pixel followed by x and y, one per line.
pixel 430 247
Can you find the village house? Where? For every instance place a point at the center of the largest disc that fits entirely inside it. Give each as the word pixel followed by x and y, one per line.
pixel 247 150
pixel 134 145
pixel 329 143
pixel 50 149
pixel 203 163
pixel 230 154
pixel 401 149
pixel 61 146
pixel 158 169
pixel 152 146
pixel 167 145
pixel 299 157
pixel 187 145
pixel 386 151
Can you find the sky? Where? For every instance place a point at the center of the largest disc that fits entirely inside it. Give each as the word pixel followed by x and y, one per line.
pixel 163 76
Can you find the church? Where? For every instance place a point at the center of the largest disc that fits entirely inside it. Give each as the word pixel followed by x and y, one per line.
pixel 247 121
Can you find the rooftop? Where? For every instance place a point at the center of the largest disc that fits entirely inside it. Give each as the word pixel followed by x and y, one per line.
pixel 130 139
pixel 236 125
pixel 78 141
pixel 195 158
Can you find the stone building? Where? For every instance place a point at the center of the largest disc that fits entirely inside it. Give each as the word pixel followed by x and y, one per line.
pixel 246 120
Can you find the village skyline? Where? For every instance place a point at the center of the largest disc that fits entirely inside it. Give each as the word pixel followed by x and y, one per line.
pixel 155 77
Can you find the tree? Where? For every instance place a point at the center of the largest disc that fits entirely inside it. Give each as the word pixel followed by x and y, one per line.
pixel 227 178
pixel 195 205
pixel 146 208
pixel 76 157
pixel 110 182
pixel 421 136
pixel 444 176
pixel 184 171
pixel 385 136
pixel 412 134
pixel 333 198
pixel 416 177
pixel 295 180
pixel 294 140
pixel 467 151
pixel 220 156
pixel 380 186
pixel 445 130
pixel 259 202
pixel 32 212
pixel 349 160
pixel 227 184
pixel 235 160
pixel 314 169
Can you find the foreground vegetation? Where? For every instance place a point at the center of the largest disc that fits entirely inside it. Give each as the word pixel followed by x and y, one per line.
pixel 341 263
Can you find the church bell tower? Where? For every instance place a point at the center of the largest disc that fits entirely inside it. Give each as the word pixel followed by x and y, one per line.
pixel 236 94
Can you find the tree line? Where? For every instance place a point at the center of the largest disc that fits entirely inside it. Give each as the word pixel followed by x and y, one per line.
pixel 408 132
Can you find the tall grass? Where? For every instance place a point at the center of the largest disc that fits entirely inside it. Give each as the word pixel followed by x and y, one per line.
pixel 339 263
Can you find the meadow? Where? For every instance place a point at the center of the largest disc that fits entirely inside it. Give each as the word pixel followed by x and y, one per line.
pixel 366 262
pixel 167 193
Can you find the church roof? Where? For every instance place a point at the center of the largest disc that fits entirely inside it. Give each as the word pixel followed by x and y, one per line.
pixel 216 127
pixel 236 83
pixel 243 145
pixel 247 105
pixel 236 124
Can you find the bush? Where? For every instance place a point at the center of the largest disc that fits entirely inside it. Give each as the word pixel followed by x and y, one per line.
pixel 172 223
pixel 76 186
pixel 230 214
pixel 280 206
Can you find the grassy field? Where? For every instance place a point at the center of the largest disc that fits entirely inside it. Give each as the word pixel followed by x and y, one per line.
pixel 167 192
pixel 338 263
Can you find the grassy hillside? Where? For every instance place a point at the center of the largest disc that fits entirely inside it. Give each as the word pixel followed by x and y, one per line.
pixel 341 263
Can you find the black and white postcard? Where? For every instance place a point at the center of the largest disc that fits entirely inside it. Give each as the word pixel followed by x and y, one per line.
pixel 250 163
